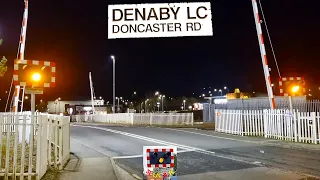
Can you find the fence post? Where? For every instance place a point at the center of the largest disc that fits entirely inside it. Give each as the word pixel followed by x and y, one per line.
pixel 314 129
pixel 39 147
pixel 265 123
pixel 295 120
pixel 192 119
pixel 132 114
pixel 151 118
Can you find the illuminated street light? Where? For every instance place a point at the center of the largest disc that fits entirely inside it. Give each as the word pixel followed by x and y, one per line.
pixel 36 77
pixel 114 85
pixel 26 97
pixel 220 90
pixel 157 93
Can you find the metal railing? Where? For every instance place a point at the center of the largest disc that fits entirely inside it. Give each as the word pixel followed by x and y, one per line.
pixel 29 146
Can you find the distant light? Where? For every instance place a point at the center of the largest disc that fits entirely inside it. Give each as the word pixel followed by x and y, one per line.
pixel 272 85
pixel 134 93
pixel 112 57
pixel 87 108
pixel 220 90
pixel 221 101
pixel 215 90
pixel 225 87
pixel 190 107
pixel 203 95
pixel 100 97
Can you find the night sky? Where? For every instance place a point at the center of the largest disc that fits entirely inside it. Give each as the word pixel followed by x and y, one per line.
pixel 74 35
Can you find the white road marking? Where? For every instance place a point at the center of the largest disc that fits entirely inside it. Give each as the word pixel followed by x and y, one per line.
pixel 136 176
pixel 137 156
pixel 219 137
pixel 163 142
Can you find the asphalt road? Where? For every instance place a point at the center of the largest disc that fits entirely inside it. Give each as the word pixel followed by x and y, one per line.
pixel 199 152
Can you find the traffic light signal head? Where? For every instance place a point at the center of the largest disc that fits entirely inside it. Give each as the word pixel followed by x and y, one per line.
pixel 292 86
pixel 31 73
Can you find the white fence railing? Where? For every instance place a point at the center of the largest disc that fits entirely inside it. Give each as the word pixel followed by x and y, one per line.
pixel 30 146
pixel 276 124
pixel 139 118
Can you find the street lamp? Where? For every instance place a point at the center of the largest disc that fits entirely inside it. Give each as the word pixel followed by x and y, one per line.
pixel 157 93
pixel 145 106
pixel 226 88
pixel 118 104
pixel 59 104
pixel 158 105
pixel 184 104
pixel 220 90
pixel 141 107
pixel 114 84
pixel 162 96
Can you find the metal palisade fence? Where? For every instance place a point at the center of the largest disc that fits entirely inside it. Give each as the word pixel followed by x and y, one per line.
pixel 139 118
pixel 298 103
pixel 276 124
pixel 32 145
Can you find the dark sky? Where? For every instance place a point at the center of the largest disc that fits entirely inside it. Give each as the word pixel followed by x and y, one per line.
pixel 74 35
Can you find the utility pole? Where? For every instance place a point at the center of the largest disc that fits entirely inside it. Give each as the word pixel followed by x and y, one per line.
pixel 114 84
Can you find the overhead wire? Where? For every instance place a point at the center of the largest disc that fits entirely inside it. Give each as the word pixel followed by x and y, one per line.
pixel 265 22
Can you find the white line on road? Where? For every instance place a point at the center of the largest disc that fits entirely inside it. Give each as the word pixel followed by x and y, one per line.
pixel 163 142
pixel 226 138
pixel 219 137
pixel 137 156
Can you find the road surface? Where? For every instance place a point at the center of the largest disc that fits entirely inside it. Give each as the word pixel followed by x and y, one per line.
pixel 201 154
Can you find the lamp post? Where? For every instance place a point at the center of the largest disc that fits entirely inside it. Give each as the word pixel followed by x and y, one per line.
pixel 141 107
pixel 184 104
pixel 59 104
pixel 158 105
pixel 220 90
pixel 145 105
pixel 161 97
pixel 226 88
pixel 114 84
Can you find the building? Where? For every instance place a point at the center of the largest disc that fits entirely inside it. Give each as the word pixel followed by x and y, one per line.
pixel 75 107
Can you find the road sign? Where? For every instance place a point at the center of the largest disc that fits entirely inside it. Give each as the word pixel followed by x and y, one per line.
pixel 159 162
pixel 159 20
pixel 34 91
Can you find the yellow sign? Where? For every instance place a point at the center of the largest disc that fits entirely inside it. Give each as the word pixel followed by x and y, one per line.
pixel 34 91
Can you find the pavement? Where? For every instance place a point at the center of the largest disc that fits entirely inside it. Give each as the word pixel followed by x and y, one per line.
pixel 115 152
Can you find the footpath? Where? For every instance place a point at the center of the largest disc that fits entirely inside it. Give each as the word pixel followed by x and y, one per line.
pixel 89 169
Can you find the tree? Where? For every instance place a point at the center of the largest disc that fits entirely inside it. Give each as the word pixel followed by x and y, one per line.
pixel 3 64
